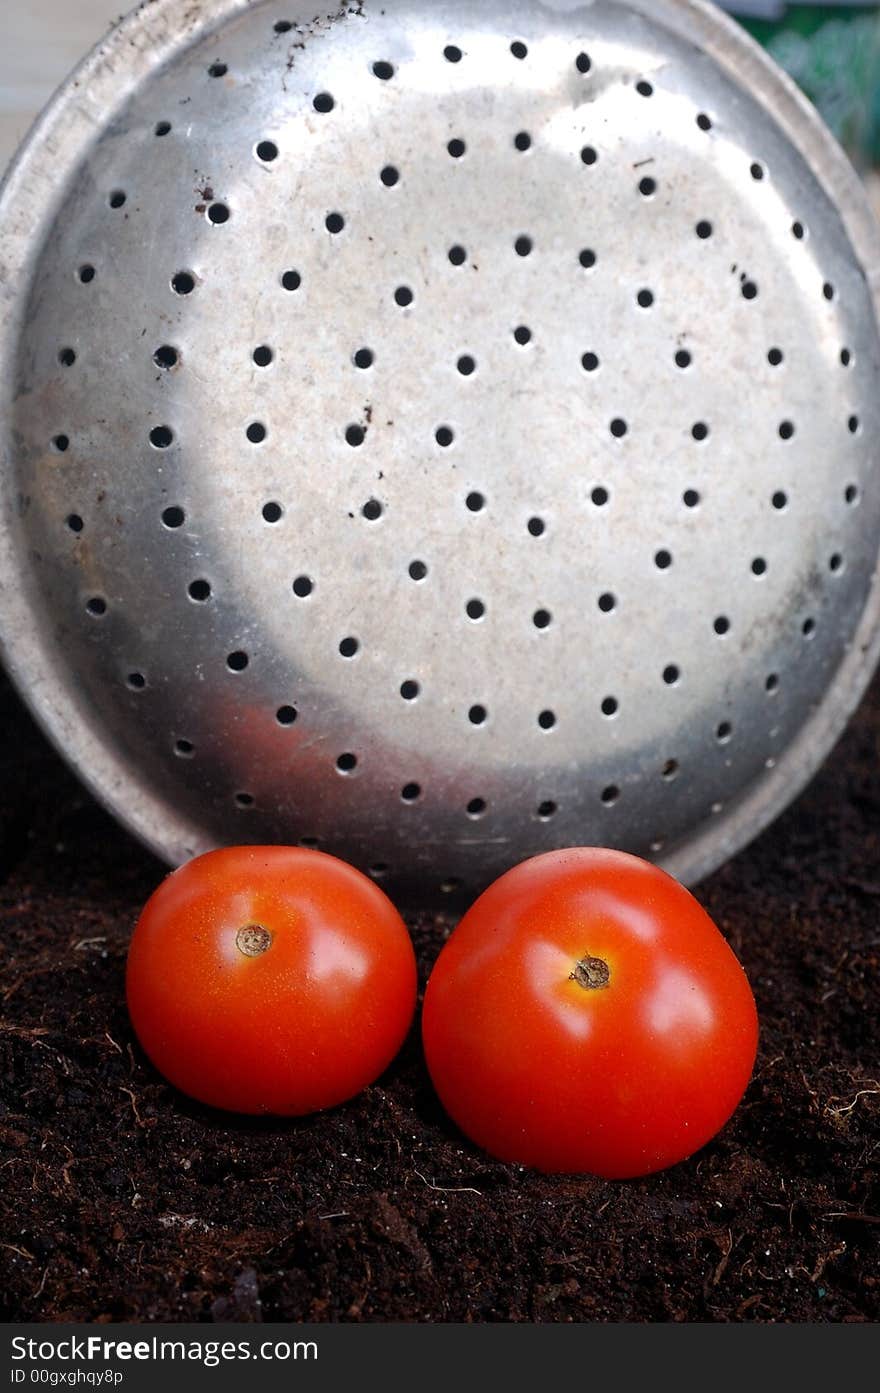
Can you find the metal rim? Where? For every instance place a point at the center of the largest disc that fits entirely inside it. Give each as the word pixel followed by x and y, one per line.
pixel 150 35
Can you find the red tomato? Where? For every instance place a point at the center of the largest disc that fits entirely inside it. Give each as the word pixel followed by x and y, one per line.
pixel 587 1015
pixel 270 979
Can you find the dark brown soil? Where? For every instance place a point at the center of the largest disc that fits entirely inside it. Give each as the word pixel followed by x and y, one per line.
pixel 121 1200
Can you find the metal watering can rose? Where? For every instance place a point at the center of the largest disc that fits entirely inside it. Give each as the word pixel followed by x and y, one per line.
pixel 438 434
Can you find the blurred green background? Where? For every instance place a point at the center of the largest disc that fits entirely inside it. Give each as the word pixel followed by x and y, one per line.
pixel 833 53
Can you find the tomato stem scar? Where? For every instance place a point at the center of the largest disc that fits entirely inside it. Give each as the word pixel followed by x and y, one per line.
pixel 591 973
pixel 252 940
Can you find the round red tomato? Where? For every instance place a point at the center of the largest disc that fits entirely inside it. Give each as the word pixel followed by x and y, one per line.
pixel 587 1015
pixel 270 979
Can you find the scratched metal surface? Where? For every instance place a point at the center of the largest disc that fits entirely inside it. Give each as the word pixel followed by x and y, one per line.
pixel 439 434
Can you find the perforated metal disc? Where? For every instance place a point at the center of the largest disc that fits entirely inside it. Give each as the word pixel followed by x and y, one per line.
pixel 439 433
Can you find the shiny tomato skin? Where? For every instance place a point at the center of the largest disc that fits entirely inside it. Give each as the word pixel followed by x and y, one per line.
pixel 617 1080
pixel 299 1025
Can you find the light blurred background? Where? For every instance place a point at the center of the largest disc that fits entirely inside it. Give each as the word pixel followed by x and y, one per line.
pixel 42 40
pixel 831 50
